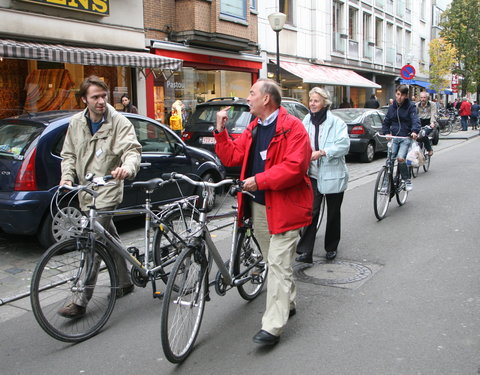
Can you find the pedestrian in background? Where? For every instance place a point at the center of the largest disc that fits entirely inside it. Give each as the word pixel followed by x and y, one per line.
pixel 465 112
pixel 127 105
pixel 474 115
pixel 274 152
pixel 328 173
pixel 372 102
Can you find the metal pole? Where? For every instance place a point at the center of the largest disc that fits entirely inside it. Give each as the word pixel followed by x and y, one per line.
pixel 278 57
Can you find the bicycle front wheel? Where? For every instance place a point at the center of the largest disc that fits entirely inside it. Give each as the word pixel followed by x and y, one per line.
pixel 426 165
pixel 247 254
pixel 60 279
pixel 401 192
pixel 183 306
pixel 166 247
pixel 381 199
pixel 446 129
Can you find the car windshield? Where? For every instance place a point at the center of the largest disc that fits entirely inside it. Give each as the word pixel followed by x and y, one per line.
pixel 15 138
pixel 238 116
pixel 349 115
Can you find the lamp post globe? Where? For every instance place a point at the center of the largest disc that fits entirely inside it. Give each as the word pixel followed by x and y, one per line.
pixel 277 21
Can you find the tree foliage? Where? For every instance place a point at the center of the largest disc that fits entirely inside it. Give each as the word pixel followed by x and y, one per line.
pixel 461 27
pixel 443 57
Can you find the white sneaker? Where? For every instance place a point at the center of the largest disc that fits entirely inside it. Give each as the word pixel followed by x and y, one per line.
pixel 408 185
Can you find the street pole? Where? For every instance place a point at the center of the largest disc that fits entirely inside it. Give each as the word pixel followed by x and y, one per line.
pixel 278 56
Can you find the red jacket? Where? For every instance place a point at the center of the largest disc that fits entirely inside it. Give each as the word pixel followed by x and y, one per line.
pixel 288 192
pixel 465 108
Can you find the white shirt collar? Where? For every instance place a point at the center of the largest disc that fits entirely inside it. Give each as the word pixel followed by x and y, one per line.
pixel 269 119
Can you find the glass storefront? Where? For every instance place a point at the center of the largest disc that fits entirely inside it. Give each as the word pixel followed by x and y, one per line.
pixel 191 86
pixel 34 86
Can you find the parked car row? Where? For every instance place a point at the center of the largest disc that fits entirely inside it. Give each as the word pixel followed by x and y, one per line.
pixel 30 147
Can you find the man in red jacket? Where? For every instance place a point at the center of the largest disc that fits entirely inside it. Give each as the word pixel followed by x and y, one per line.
pixel 274 152
pixel 465 112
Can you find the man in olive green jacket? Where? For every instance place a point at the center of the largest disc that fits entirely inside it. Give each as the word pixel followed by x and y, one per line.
pixel 101 141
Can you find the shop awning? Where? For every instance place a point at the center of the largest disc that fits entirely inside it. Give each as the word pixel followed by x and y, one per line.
pixel 424 84
pixel 327 75
pixel 85 56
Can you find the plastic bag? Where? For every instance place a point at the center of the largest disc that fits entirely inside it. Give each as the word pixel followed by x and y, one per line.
pixel 413 155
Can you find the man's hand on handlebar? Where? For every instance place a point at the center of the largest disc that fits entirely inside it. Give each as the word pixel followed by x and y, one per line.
pixel 250 184
pixel 414 135
pixel 120 173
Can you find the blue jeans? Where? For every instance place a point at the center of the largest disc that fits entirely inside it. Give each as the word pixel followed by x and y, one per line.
pixel 464 122
pixel 400 148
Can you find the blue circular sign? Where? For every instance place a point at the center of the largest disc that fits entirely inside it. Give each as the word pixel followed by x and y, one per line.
pixel 407 71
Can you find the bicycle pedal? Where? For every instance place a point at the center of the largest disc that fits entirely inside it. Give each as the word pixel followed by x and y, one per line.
pixel 158 295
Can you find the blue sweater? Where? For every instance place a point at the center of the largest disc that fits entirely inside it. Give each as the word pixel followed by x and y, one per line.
pixel 401 120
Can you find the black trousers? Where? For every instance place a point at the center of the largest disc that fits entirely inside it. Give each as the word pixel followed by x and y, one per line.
pixel 333 225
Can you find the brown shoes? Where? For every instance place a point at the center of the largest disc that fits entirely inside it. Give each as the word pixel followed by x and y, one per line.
pixel 72 311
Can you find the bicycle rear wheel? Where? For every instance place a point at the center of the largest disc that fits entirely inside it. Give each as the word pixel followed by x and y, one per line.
pixel 414 171
pixel 183 306
pixel 247 254
pixel 381 199
pixel 60 278
pixel 446 129
pixel 166 247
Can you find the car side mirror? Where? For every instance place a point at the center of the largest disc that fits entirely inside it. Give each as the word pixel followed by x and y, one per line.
pixel 177 148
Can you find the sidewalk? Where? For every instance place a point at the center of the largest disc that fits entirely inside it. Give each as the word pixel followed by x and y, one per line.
pixel 462 134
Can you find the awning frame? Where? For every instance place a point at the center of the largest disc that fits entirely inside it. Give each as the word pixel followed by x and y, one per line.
pixel 85 56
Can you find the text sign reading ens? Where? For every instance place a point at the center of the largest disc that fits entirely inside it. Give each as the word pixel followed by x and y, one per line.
pixel 407 71
pixel 98 7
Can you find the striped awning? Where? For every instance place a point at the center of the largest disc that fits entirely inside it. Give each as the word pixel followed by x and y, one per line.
pixel 84 56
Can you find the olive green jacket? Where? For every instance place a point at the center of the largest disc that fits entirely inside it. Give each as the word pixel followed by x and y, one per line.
pixel 114 145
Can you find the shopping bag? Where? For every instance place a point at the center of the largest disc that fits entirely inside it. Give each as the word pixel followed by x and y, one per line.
pixel 412 155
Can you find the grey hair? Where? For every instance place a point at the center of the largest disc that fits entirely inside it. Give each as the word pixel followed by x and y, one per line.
pixel 323 93
pixel 271 88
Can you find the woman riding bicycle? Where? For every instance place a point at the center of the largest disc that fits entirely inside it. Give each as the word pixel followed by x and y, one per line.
pixel 402 120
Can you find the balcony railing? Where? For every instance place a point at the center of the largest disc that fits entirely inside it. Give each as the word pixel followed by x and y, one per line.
pixel 339 42
pixel 353 49
pixel 367 50
pixel 390 56
pixel 378 55
pixel 399 60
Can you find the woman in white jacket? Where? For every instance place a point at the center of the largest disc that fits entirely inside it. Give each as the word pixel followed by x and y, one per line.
pixel 328 173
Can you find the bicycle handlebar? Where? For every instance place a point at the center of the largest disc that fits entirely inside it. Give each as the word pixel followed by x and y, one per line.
pixel 390 136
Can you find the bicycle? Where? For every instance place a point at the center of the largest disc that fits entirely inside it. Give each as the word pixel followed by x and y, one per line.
pixel 188 287
pixel 426 158
pixel 388 184
pixel 445 122
pixel 66 271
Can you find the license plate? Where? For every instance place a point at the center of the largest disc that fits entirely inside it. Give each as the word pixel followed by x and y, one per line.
pixel 207 140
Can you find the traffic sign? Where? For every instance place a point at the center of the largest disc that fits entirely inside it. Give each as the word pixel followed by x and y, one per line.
pixel 407 71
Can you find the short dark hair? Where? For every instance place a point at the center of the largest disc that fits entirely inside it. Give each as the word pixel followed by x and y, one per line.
pixel 89 81
pixel 271 88
pixel 403 89
pixel 125 96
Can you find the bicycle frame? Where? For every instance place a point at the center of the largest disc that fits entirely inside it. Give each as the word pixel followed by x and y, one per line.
pixel 96 231
pixel 204 234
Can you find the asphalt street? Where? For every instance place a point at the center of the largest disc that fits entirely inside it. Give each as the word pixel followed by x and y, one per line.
pixel 402 296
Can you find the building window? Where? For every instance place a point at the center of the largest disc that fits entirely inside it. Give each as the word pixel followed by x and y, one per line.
pixel 338 27
pixel 352 23
pixel 367 36
pixel 287 7
pixel 253 4
pixel 422 51
pixel 423 9
pixel 378 32
pixel 236 9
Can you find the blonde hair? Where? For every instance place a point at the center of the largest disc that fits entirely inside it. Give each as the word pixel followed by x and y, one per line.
pixel 323 93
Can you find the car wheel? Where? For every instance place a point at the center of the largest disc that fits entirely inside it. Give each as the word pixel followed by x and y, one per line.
pixel 62 226
pixel 369 153
pixel 435 137
pixel 213 194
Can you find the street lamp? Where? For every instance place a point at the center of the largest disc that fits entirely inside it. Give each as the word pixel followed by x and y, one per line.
pixel 277 21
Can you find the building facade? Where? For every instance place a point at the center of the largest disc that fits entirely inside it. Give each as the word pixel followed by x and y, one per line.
pixel 48 47
pixel 217 42
pixel 345 41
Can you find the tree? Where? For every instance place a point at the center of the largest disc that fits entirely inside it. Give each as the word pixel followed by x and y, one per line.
pixel 442 62
pixel 461 27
